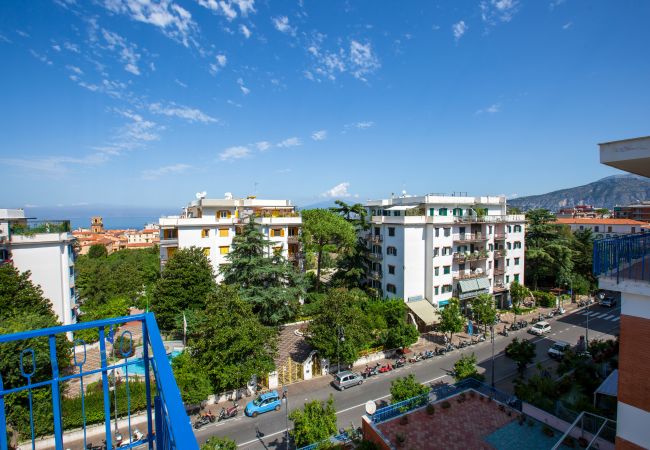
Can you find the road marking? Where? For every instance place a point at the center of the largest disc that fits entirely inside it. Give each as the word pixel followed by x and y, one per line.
pixel 262 438
pixel 616 318
pixel 609 317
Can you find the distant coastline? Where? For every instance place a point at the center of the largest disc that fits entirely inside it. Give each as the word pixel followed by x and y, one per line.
pixel 115 223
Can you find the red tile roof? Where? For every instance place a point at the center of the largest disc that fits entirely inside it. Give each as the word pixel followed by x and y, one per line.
pixel 587 221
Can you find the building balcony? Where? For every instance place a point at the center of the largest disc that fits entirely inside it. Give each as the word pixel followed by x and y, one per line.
pixel 32 227
pixel 166 425
pixel 500 253
pixel 498 272
pixel 376 238
pixel 499 236
pixel 467 257
pixel 293 239
pixel 470 237
pixel 375 275
pixel 467 275
pixel 376 256
pixel 621 260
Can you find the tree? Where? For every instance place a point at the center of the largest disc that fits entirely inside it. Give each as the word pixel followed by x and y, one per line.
pixel 518 293
pixel 219 443
pixel 521 352
pixel 230 343
pixel 484 310
pixel 314 423
pixel 514 210
pixel 388 319
pixel 465 367
pixel 191 379
pixel 325 231
pixel 340 327
pixel 269 282
pixel 97 251
pixel 353 262
pixel 185 283
pixel 115 307
pixel 451 319
pixel 406 387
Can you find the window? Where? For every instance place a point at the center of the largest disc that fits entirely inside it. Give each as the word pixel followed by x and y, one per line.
pixel 205 232
pixel 277 250
pixel 391 269
pixel 507 262
pixel 458 212
pixel 391 231
pixel 223 214
pixel 436 289
pixel 442 212
pixel 609 230
pixel 509 229
pixel 223 232
pixel 461 230
pixel 582 227
pixel 461 266
pixel 391 251
pixel 223 250
pixel 507 279
pixel 447 232
pixel 436 251
pixel 489 229
pixel 391 288
pixel 376 231
pixel 436 271
pixel 437 232
pixel 293 231
pixel 489 265
pixel 633 229
pixel 596 228
pixel 432 211
pixel 446 288
pixel 446 251
pixel 277 232
pixel 206 251
pixel 446 270
pixel 516 277
pixel 516 261
pixel 71 270
pixel 71 292
pixel 490 247
pixel 517 228
pixel 509 245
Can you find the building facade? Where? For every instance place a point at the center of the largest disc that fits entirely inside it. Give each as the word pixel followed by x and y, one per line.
pixel 212 224
pixel 621 265
pixel 604 228
pixel 45 249
pixel 639 211
pixel 437 246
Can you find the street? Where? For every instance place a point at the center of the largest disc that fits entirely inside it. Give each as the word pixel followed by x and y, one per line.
pixel 269 430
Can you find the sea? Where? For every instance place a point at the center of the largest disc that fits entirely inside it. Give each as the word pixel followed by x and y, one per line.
pixel 115 223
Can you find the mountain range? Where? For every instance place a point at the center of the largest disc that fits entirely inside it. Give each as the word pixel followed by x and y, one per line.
pixel 604 193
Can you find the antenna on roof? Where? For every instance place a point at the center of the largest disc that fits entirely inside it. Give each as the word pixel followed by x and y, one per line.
pixel 201 195
pixel 228 195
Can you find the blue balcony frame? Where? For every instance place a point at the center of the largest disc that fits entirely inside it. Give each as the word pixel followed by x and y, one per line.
pixel 167 424
pixel 623 258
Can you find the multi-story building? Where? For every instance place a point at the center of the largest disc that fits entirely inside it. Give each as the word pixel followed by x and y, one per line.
pixel 639 211
pixel 147 237
pixel 438 246
pixel 211 224
pixel 584 211
pixel 623 264
pixel 604 228
pixel 45 249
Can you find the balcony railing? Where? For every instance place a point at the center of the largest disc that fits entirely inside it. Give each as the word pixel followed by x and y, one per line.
pixel 469 276
pixel 46 380
pixel 623 258
pixel 31 227
pixel 375 275
pixel 499 236
pixel 293 239
pixel 462 257
pixel 471 237
pixel 376 256
pixel 377 238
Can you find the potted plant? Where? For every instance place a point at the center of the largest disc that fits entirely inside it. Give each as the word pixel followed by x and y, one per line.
pixel 401 439
pixel 548 431
pixel 472 394
pixel 445 405
pixel 404 420
pixel 582 442
pixel 431 409
pixel 569 442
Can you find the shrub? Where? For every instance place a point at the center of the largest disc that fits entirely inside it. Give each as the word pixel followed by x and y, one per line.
pixel 547 430
pixel 400 438
pixel 544 299
pixel 445 405
pixel 431 409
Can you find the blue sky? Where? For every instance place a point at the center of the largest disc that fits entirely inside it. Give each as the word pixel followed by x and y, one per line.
pixel 142 102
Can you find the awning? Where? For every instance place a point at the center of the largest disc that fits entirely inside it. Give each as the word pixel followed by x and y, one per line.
pixel 443 303
pixel 609 386
pixel 425 311
pixel 400 208
pixel 473 287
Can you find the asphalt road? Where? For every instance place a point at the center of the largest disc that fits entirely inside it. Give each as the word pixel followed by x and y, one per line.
pixel 268 431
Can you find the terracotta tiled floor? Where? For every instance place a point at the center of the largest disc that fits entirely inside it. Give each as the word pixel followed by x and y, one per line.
pixel 463 426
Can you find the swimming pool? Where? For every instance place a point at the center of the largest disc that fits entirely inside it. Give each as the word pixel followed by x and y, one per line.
pixel 516 437
pixel 136 366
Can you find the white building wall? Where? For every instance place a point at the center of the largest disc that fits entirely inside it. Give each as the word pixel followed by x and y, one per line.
pixel 414 256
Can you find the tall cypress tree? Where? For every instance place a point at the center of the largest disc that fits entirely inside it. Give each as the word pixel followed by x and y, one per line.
pixel 267 280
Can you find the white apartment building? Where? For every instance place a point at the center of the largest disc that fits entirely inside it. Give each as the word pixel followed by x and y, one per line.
pixel 623 264
pixel 211 224
pixel 435 247
pixel 604 228
pixel 45 249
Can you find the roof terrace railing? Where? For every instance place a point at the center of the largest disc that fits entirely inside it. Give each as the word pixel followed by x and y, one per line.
pixel 623 258
pixel 46 379
pixel 30 227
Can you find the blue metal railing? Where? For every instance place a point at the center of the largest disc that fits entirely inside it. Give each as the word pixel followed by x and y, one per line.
pixel 45 379
pixel 623 257
pixel 339 439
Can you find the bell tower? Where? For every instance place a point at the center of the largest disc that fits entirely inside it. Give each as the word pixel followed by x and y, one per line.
pixel 96 225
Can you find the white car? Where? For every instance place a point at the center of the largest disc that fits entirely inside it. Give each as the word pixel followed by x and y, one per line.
pixel 540 328
pixel 558 349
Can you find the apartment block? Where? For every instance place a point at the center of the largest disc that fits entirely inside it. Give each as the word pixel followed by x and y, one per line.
pixel 45 249
pixel 604 228
pixel 435 247
pixel 212 224
pixel 623 264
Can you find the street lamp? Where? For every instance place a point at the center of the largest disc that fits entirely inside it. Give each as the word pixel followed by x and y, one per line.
pixel 285 397
pixel 492 339
pixel 341 338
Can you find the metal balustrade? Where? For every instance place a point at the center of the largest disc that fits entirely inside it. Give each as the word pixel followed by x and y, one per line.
pixel 623 258
pixel 44 364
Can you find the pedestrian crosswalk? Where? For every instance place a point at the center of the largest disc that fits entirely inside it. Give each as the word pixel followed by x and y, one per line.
pixel 599 315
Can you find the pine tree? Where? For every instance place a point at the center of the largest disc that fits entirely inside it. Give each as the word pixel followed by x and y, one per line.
pixel 264 278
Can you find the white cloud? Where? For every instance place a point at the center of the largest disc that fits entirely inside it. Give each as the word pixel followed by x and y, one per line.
pixel 236 152
pixel 360 125
pixel 281 23
pixel 243 88
pixel 459 29
pixel 233 103
pixel 492 109
pixel 180 83
pixel 555 3
pixel 338 191
pixel 74 69
pixel 5 39
pixel 227 7
pixel 153 174
pixel 174 21
pixel 245 31
pixel 220 62
pixel 42 58
pixel 319 135
pixel 126 51
pixel 22 33
pixel 358 59
pixel 182 112
pixel 263 145
pixel 290 142
pixel 567 25
pixel 69 46
pixel 494 11
pixel 56 47
pixel 362 59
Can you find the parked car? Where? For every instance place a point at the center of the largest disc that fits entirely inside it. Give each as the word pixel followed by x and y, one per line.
pixel 346 379
pixel 608 302
pixel 266 402
pixel 540 328
pixel 558 349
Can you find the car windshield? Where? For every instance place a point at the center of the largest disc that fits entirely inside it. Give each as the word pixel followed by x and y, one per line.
pixel 257 401
pixel 559 346
pixel 538 325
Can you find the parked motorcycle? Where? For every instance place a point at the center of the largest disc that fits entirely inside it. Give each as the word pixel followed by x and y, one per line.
pixel 400 362
pixel 204 419
pixel 371 371
pixel 440 351
pixel 228 413
pixel 385 368
pixel 429 354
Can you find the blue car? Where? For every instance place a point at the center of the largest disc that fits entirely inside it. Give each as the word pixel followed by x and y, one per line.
pixel 266 402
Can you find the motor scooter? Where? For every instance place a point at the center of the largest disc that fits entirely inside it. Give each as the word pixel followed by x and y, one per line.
pixel 227 413
pixel 204 419
pixel 385 368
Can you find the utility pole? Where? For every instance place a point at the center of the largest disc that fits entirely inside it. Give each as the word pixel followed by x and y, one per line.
pixel 285 397
pixel 492 339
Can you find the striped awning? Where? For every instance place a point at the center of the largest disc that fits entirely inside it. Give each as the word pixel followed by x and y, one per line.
pixel 473 287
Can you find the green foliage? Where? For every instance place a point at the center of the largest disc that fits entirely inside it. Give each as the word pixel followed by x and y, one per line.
pixel 219 443
pixel 325 231
pixel 367 445
pixel 115 307
pixel 97 251
pixel 544 299
pixel 521 352
pixel 270 283
pixel 406 387
pixel 465 367
pixel 451 319
pixel 539 390
pixel 191 379
pixel 314 423
pixel 184 284
pixel 389 323
pixel 339 315
pixel 230 343
pixel 484 310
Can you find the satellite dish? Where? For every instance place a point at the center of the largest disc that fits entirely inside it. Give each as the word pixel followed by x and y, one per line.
pixel 201 195
pixel 371 407
pixel 228 195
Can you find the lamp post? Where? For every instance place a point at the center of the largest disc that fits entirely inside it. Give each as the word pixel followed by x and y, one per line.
pixel 285 397
pixel 341 338
pixel 492 339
